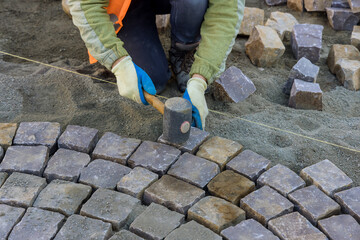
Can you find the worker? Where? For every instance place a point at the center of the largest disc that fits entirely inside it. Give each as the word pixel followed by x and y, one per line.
pixel 122 36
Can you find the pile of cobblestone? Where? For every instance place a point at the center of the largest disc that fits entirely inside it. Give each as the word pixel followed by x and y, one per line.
pixel 78 185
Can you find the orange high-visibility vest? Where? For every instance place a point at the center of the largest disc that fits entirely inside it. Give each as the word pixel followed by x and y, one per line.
pixel 117 10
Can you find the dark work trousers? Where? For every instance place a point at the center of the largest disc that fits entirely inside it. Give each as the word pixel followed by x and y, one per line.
pixel 141 39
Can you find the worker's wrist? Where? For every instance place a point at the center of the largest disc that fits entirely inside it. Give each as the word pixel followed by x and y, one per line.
pixel 195 75
pixel 117 61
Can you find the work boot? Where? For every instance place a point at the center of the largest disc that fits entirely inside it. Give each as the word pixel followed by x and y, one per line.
pixel 181 60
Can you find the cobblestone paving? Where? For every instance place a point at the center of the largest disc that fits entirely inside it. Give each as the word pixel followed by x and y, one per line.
pixel 81 184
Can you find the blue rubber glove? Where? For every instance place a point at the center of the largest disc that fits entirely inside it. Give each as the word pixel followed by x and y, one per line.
pixel 132 80
pixel 195 95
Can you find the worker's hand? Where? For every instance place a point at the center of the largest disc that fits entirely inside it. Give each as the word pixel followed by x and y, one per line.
pixel 131 80
pixel 195 94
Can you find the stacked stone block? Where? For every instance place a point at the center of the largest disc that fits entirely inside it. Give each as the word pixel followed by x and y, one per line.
pixel 342 19
pixel 317 5
pixel 252 17
pixel 348 73
pixel 355 37
pixel 282 23
pixel 340 51
pixel 354 5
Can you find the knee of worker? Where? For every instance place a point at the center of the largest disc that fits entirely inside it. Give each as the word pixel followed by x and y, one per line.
pixel 196 6
pixel 160 77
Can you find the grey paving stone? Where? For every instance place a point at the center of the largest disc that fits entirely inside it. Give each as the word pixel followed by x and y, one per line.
pixel 342 19
pixel 305 95
pixel 282 179
pixel 37 224
pixel 326 176
pixel 9 217
pixel 196 138
pixel 230 186
pixel 156 157
pixel 63 196
pixel 194 170
pixel 21 189
pixel 249 164
pixel 3 177
pixel 219 150
pixel 294 226
pixel 340 227
pixel 115 148
pixel 78 138
pixel 306 41
pixel 275 2
pixel 66 165
pixel 103 174
pixel 302 70
pixel 173 193
pixel 248 230
pixel 1 153
pixel 233 86
pixel 265 204
pixel 314 204
pixel 7 133
pixel 26 159
pixel 125 235
pixel 38 133
pixel 110 206
pixel 135 183
pixel 83 228
pixel 156 222
pixel 192 231
pixel 340 4
pixel 216 213
pixel 350 201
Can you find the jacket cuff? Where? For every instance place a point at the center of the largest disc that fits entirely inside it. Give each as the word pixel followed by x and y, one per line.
pixel 205 69
pixel 109 60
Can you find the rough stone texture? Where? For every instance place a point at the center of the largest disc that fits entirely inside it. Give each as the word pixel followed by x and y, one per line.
pixel 37 224
pixel 115 148
pixel 340 4
pixel 9 217
pixel 265 204
pixel 306 41
pixel 3 177
pixel 26 159
pixel 342 19
pixel 355 37
pixel 219 150
pixel 340 227
pixel 325 175
pixel 38 133
pixel 21 189
pixel 125 235
pixel 194 170
pixel 354 5
pixel 282 179
pixel 156 157
pixel 252 17
pixel 230 186
pixel 156 222
pixel 110 206
pixel 233 86
pixel 136 182
pixel 293 226
pixel 103 174
pixel 173 193
pixel 62 196
pixel 264 46
pixel 81 139
pixel 66 165
pixel 302 70
pixel 7 133
pixel 348 73
pixel 314 204
pixel 340 51
pixel 192 230
pixel 1 153
pixel 196 138
pixel 317 5
pixel 248 230
pixel 275 2
pixel 282 23
pixel 350 201
pixel 249 164
pixel 83 228
pixel 215 213
pixel 305 95
pixel 296 5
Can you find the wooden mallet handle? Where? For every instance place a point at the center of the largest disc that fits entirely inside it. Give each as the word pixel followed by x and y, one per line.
pixel 155 102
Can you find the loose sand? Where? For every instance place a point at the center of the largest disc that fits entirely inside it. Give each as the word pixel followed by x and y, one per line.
pixel 38 29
